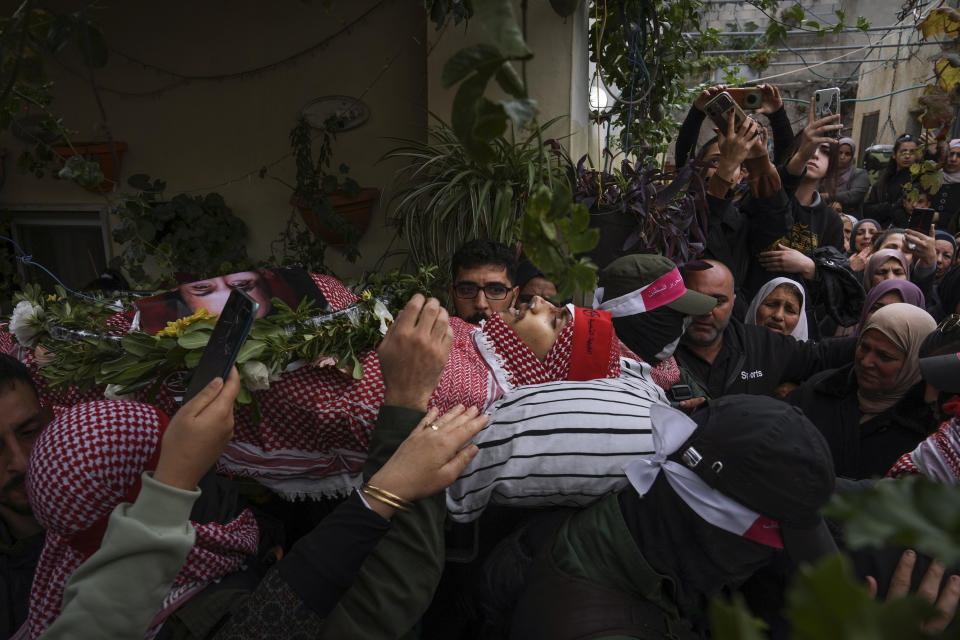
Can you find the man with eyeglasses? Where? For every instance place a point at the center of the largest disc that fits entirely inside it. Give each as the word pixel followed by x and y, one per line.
pixel 484 279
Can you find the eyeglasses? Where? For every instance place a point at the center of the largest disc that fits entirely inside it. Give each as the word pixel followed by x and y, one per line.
pixel 906 138
pixel 492 291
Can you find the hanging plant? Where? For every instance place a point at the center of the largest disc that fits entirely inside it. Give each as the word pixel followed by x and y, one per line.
pixel 442 196
pixel 639 208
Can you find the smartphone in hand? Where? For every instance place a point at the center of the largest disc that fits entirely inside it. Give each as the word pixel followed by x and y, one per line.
pixel 747 97
pixel 920 220
pixel 719 111
pixel 228 336
pixel 826 102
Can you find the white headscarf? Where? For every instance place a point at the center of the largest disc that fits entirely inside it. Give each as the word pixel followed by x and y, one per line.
pixel 952 178
pixel 800 332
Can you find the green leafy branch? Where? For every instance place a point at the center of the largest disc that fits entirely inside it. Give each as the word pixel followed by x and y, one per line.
pixel 827 602
pixel 551 228
pixel 141 361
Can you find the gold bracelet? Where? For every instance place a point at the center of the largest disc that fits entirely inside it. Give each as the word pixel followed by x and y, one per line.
pixel 385 497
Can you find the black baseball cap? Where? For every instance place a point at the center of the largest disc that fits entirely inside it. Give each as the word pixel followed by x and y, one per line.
pixel 942 371
pixel 769 457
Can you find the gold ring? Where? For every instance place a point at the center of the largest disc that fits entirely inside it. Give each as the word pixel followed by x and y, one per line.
pixel 433 425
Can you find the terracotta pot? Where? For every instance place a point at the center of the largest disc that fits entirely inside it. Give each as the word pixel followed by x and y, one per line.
pixel 356 211
pixel 103 153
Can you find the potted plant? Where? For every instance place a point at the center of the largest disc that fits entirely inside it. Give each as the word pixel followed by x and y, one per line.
pixel 106 155
pixel 443 197
pixel 185 237
pixel 332 204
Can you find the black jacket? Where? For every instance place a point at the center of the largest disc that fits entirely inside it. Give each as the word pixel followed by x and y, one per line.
pixel 756 360
pixel 18 561
pixel 884 203
pixel 862 450
pixel 947 202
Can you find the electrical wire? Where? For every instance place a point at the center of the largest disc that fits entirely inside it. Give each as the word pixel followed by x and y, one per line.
pixel 182 79
pixel 883 95
pixel 27 259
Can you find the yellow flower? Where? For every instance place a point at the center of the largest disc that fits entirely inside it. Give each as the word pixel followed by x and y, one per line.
pixel 52 297
pixel 366 295
pixel 175 329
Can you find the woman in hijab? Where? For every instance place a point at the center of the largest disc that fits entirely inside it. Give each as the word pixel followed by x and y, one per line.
pixel 846 189
pixel 889 291
pixel 873 410
pixel 781 306
pixel 946 201
pixel 886 195
pixel 884 265
pixel 861 242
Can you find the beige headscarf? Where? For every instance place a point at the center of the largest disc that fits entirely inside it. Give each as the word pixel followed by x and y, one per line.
pixel 905 326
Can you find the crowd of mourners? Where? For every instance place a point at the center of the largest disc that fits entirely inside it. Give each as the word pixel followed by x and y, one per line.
pixel 516 468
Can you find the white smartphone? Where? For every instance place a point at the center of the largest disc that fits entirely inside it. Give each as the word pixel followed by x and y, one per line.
pixel 826 102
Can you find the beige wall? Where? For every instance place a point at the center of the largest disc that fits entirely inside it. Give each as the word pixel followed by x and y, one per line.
pixel 557 74
pixel 894 111
pixel 199 135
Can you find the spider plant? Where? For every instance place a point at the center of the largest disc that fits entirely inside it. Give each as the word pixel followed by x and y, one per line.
pixel 442 198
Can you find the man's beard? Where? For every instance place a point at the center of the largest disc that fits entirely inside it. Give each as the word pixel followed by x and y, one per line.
pixel 476 318
pixel 695 340
pixel 22 508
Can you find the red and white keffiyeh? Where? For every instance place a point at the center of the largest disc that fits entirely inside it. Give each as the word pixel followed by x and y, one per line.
pixel 316 423
pixel 937 457
pixel 86 462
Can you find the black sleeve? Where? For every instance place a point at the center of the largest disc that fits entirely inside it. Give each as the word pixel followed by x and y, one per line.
pixel 782 134
pixel 687 136
pixel 726 236
pixel 803 359
pixel 874 207
pixel 789 181
pixel 924 278
pixel 833 230
pixel 322 564
pixel 769 218
pixel 314 577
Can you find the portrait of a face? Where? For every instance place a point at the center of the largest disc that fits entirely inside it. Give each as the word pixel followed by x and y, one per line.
pixel 291 285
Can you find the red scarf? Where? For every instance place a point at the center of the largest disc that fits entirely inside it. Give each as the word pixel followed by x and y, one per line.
pixel 86 462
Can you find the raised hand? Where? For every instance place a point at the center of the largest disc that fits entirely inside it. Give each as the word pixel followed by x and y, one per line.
pixel 414 352
pixel 816 133
pixel 771 99
pixel 197 434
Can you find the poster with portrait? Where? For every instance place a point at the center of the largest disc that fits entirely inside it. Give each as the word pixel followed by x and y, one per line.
pixel 291 285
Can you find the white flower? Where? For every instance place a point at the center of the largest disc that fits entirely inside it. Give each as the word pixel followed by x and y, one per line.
pixel 110 393
pixel 25 322
pixel 256 375
pixel 380 311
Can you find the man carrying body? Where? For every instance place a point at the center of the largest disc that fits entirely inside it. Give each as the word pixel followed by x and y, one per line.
pixel 484 279
pixel 721 355
pixel 21 536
